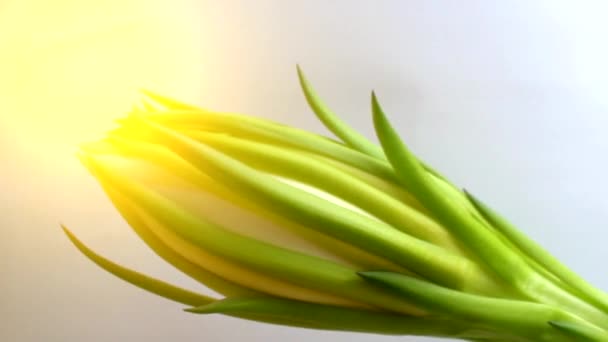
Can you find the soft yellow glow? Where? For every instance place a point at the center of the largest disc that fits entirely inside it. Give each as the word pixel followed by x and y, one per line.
pixel 69 67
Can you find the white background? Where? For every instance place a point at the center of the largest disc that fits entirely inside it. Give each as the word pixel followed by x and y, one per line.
pixel 507 98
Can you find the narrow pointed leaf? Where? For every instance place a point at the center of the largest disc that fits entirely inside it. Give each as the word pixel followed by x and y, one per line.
pixel 140 280
pixel 317 316
pixel 510 316
pixel 302 167
pixel 135 196
pixel 168 102
pixel 196 272
pixel 307 272
pixel 348 135
pixel 540 255
pixel 304 237
pixel 579 332
pixel 413 176
pixel 265 131
pixel 369 234
pixel 189 122
pixel 498 256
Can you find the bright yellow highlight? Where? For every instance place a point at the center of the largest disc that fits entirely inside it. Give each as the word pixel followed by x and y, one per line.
pixel 69 67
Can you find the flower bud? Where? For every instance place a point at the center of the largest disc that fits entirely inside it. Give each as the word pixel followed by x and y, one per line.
pixel 294 228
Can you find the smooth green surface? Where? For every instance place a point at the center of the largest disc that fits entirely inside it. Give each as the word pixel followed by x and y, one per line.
pixel 140 280
pixel 337 318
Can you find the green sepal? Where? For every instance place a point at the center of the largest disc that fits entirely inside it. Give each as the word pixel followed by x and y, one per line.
pixel 454 217
pixel 348 135
pixel 328 317
pixel 579 332
pixel 507 263
pixel 269 132
pixel 303 167
pixel 139 226
pixel 194 271
pixel 331 281
pixel 188 118
pixel 188 122
pixel 193 124
pixel 369 234
pixel 140 280
pixel 172 163
pixel 520 318
pixel 167 102
pixel 537 253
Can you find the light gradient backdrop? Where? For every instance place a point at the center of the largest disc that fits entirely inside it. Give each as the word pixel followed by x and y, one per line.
pixel 509 99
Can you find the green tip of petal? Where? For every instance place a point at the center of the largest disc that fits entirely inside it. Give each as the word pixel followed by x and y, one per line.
pixel 376 108
pixel 140 280
pixel 70 235
pixel 347 134
pixel 198 310
pixel 578 331
pixel 167 102
pixel 370 275
pixel 220 306
pixel 389 139
pixel 385 132
pixel 300 73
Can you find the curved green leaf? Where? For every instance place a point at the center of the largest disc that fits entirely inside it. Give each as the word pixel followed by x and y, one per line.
pixel 579 332
pixel 516 317
pixel 317 316
pixel 506 262
pixel 302 167
pixel 367 233
pixel 541 255
pixel 310 274
pixel 140 280
pixel 348 135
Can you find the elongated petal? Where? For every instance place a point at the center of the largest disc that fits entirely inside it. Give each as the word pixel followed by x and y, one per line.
pixel 145 232
pixel 140 280
pixel 318 316
pixel 167 102
pixel 286 232
pixel 367 233
pixel 510 316
pixel 411 173
pixel 304 168
pixel 504 261
pixel 192 122
pixel 273 262
pixel 262 130
pixel 198 273
pixel 540 255
pixel 270 132
pixel 348 135
pixel 191 116
pixel 578 331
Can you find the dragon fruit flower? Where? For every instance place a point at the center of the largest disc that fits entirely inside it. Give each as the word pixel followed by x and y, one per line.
pixel 297 229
